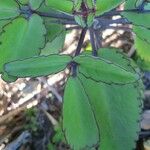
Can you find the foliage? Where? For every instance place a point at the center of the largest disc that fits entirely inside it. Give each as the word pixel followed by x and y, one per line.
pixel 103 93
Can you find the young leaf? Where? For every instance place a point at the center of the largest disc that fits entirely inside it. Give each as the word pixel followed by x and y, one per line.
pixel 21 39
pixel 63 5
pixel 35 4
pixel 103 6
pixel 79 123
pixel 8 9
pixel 117 109
pixel 105 71
pixel 38 66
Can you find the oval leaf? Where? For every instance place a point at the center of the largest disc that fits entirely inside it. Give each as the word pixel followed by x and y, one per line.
pixel 117 111
pixel 79 123
pixel 38 66
pixel 105 71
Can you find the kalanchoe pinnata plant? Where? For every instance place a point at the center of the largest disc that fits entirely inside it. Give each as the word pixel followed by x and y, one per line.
pixel 103 93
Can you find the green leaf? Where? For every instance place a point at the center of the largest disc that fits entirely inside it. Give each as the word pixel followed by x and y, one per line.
pixel 63 5
pixel 38 66
pixel 56 34
pixel 142 33
pixel 142 44
pixel 27 42
pixel 117 109
pixel 134 4
pixel 103 6
pixel 85 23
pixel 8 9
pixel 143 64
pixel 55 46
pixel 143 48
pixel 53 30
pixel 143 53
pixel 35 4
pixel 130 4
pixel 117 57
pixel 79 122
pixel 103 70
pixel 3 23
pixel 137 18
pixel 24 2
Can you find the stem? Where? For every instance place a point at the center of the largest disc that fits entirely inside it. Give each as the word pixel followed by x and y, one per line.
pixel 54 15
pixel 103 23
pixel 119 28
pixel 92 39
pixel 64 22
pixel 98 37
pixel 81 40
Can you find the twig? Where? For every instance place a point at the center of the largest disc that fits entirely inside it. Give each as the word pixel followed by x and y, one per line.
pixel 54 15
pixel 50 117
pixel 98 37
pixel 72 22
pixel 81 40
pixel 119 28
pixel 92 39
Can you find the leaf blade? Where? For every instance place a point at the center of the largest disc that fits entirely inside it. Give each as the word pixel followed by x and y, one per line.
pixel 78 120
pixel 8 9
pixel 114 104
pixel 38 66
pixel 104 71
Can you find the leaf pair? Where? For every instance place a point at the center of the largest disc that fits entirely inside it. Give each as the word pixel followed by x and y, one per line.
pixel 102 115
pixel 97 69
